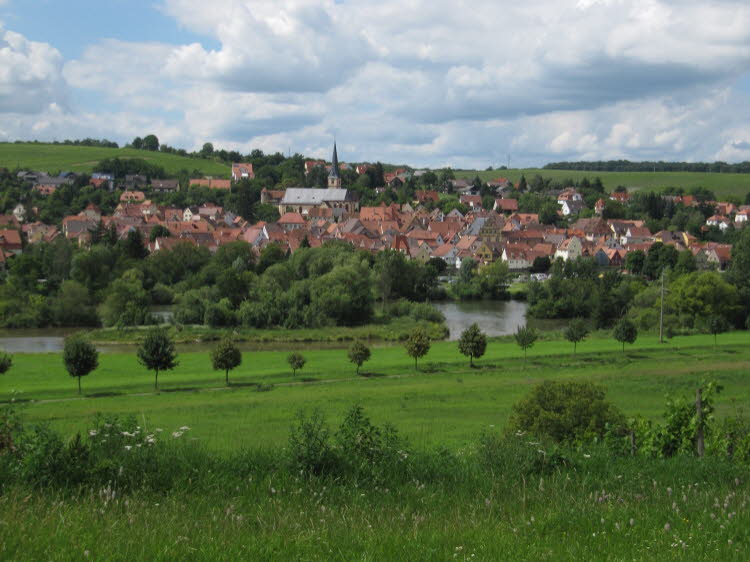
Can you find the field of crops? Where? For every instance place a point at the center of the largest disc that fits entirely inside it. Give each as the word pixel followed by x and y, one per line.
pixel 723 185
pixel 56 158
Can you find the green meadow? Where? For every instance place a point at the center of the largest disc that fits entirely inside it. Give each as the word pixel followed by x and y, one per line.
pixel 57 158
pixel 444 402
pixel 723 185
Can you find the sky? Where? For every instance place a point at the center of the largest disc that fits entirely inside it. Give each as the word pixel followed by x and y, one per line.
pixel 429 83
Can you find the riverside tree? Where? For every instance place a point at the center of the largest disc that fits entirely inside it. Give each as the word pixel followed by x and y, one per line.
pixel 625 332
pixel 417 344
pixel 296 361
pixel 472 343
pixel 717 325
pixel 576 332
pixel 225 357
pixel 157 352
pixel 358 354
pixel 525 338
pixel 79 357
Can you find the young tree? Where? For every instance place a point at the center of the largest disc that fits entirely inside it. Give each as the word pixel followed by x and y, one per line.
pixel 157 352
pixel 625 332
pixel 525 338
pixel 79 357
pixel 226 357
pixel 6 362
pixel 472 343
pixel 576 332
pixel 717 325
pixel 296 361
pixel 417 344
pixel 358 354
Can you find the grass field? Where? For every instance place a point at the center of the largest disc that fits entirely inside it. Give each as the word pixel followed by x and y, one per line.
pixel 722 185
pixel 228 488
pixel 444 403
pixel 56 158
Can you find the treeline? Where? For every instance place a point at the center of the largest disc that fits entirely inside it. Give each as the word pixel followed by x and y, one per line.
pixel 101 143
pixel 697 298
pixel 647 166
pixel 116 282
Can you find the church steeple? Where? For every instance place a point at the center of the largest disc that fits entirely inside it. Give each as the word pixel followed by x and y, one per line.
pixel 334 180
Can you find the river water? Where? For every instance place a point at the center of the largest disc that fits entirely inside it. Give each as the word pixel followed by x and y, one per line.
pixel 494 318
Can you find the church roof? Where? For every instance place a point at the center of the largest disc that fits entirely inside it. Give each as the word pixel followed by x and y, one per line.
pixel 334 163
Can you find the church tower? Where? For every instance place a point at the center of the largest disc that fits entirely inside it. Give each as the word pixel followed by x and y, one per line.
pixel 334 179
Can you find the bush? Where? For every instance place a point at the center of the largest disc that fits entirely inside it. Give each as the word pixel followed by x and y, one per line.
pixel 309 445
pixel 566 412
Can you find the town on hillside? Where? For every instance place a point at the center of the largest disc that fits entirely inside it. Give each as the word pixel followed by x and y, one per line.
pixel 308 217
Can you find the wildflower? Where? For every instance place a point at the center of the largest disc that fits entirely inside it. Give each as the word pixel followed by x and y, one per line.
pixel 92 433
pixel 632 521
pixel 667 527
pixel 158 430
pixel 586 456
pixel 128 447
pixel 177 434
pixel 184 428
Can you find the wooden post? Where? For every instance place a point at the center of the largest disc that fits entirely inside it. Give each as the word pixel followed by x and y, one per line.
pixel 699 445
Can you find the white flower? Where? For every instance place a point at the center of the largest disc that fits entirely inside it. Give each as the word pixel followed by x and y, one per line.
pixel 92 432
pixel 184 428
pixel 159 430
pixel 177 434
pixel 128 447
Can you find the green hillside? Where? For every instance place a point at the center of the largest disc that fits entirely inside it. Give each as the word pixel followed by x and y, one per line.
pixel 55 158
pixel 723 185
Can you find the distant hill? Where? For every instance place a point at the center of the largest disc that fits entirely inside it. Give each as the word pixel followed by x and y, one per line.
pixel 59 157
pixel 723 185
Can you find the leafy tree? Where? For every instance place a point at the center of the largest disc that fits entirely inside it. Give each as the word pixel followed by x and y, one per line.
pixel 358 354
pixel 576 332
pixel 225 357
pixel 525 338
pixel 159 231
pixel 150 142
pixel 79 357
pixel 126 304
pixel 417 344
pixel 207 150
pixel 472 343
pixel 625 332
pixel 296 361
pixel 134 246
pixel 6 362
pixel 541 264
pixel 157 352
pixel 566 412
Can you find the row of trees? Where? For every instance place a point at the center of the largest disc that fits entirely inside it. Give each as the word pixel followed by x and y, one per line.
pixel 157 352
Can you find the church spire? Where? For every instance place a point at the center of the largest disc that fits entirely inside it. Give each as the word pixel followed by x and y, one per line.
pixel 334 180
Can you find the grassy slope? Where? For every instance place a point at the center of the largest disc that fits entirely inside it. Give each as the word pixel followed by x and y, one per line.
pixel 721 184
pixel 55 158
pixel 445 403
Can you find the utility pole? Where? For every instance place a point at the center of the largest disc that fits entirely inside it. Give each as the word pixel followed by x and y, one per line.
pixel 661 312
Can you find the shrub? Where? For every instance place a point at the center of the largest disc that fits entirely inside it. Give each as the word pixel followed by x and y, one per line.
pixel 566 412
pixel 309 445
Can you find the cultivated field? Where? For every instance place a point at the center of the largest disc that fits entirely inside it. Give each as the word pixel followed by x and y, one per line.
pixel 444 403
pixel 722 185
pixel 57 158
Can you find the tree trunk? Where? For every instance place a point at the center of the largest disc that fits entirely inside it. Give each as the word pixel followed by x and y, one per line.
pixel 79 385
pixel 699 445
pixel 471 360
pixel 156 379
pixel 415 364
pixel 575 344
pixel 623 348
pixel 226 378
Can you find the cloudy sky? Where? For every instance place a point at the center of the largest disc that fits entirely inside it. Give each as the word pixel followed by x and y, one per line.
pixel 422 82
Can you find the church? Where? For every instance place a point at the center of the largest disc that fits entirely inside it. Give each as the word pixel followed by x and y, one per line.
pixel 303 200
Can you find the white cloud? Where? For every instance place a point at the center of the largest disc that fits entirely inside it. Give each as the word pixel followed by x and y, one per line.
pixel 425 81
pixel 30 75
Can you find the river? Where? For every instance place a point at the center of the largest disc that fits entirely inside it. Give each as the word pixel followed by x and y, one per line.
pixel 495 318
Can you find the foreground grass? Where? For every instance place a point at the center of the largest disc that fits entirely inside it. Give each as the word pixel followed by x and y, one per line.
pixel 722 185
pixel 57 158
pixel 444 403
pixel 451 507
